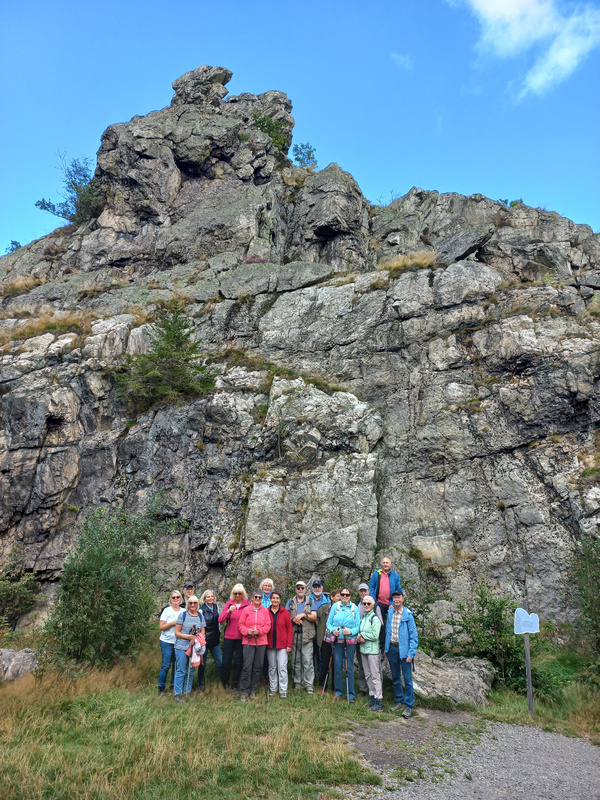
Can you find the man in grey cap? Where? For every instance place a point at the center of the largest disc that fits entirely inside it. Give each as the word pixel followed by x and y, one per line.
pixel 303 623
pixel 363 591
pixel 188 591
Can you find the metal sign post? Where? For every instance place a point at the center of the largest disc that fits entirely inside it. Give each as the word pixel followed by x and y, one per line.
pixel 525 624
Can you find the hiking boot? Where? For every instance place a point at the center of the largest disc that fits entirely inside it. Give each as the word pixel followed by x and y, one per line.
pixel 162 693
pixel 178 698
pixel 407 712
pixel 283 695
pixel 337 697
pixel 371 702
pixel 310 690
pixel 351 701
pixel 397 707
pixel 243 698
pixel 201 690
pixel 272 694
pixel 234 693
pixel 252 695
pixel 377 706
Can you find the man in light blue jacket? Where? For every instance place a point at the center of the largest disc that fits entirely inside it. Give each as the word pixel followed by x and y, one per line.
pixel 401 642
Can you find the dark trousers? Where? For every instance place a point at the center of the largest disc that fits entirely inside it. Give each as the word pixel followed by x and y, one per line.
pixel 232 654
pixel 215 652
pixel 384 612
pixel 254 655
pixel 326 652
pixel 317 659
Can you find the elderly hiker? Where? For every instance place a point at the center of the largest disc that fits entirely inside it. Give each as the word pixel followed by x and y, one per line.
pixel 363 591
pixel 382 585
pixel 189 623
pixel 168 620
pixel 319 602
pixel 343 623
pixel 279 644
pixel 303 620
pixel 368 641
pixel 254 624
pixel 232 642
pixel 188 590
pixel 401 642
pixel 328 641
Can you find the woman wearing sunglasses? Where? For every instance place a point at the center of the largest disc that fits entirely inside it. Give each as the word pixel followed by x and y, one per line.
pixel 255 623
pixel 168 620
pixel 232 643
pixel 368 639
pixel 189 623
pixel 343 624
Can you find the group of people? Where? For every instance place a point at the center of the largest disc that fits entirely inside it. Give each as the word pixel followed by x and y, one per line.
pixel 313 631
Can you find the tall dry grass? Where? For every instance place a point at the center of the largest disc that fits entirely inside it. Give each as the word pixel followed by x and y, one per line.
pixel 407 262
pixel 51 321
pixel 20 284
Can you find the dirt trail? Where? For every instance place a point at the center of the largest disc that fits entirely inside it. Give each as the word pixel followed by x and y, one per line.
pixel 442 756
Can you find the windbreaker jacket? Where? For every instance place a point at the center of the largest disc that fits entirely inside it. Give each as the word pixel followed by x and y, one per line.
pixel 342 616
pixel 408 638
pixel 285 634
pixel 395 584
pixel 232 630
pixel 370 625
pixel 255 618
pixel 211 617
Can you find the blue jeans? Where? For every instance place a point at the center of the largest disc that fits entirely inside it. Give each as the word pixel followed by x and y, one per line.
pixel 168 660
pixel 339 651
pixel 401 670
pixel 217 655
pixel 181 676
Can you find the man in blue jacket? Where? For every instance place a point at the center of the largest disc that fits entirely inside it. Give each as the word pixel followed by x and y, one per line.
pixel 384 582
pixel 401 642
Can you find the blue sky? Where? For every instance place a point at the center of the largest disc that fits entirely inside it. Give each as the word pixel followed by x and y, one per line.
pixel 498 97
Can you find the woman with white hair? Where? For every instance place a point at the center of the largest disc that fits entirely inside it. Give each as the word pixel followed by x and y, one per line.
pixel 368 641
pixel 210 611
pixel 189 623
pixel 232 643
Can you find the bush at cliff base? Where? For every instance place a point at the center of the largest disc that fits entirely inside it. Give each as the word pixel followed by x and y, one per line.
pixel 107 590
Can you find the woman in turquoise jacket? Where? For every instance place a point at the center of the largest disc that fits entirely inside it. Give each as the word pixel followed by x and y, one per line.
pixel 343 624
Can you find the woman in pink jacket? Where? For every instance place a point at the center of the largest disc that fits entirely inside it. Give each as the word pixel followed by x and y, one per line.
pixel 255 623
pixel 232 644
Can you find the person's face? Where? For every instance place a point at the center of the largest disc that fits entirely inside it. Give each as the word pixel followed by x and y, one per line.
pixel 189 591
pixel 193 607
pixel 345 595
pixel 275 601
pixel 300 592
pixel 317 591
pixel 386 564
pixel 176 599
pixel 335 596
pixel 398 601
pixel 363 593
pixel 368 605
pixel 267 587
pixel 210 599
pixel 256 599
pixel 238 597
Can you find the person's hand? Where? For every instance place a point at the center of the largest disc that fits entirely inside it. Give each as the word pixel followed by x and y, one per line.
pixel 336 632
pixel 408 660
pixel 289 649
pixel 346 631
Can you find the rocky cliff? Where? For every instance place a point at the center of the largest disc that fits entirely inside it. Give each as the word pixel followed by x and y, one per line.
pixel 420 378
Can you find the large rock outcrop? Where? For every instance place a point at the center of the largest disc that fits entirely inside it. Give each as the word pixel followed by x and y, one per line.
pixel 464 337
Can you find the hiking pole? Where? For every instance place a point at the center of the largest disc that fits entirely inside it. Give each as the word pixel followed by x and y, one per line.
pixel 346 668
pixel 302 657
pixel 324 689
pixel 297 628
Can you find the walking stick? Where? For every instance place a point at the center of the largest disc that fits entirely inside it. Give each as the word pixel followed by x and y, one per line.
pixel 327 676
pixel 346 668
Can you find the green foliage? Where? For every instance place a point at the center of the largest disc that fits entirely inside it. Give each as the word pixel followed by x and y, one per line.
pixel 18 590
pixel 81 200
pixel 14 245
pixel 584 578
pixel 420 601
pixel 487 622
pixel 106 593
pixel 170 372
pixel 273 128
pixel 305 155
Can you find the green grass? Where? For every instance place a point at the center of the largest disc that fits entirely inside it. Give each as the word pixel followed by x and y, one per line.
pixel 107 734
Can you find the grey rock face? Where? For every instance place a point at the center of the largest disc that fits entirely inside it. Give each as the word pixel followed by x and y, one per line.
pixel 461 680
pixel 420 379
pixel 16 663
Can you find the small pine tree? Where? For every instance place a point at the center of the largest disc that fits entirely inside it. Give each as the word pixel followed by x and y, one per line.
pixel 305 155
pixel 171 371
pixel 18 589
pixel 81 201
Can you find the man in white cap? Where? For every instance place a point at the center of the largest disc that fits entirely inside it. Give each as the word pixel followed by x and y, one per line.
pixel 303 622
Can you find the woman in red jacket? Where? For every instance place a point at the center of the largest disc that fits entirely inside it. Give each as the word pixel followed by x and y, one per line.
pixel 279 645
pixel 232 644
pixel 255 623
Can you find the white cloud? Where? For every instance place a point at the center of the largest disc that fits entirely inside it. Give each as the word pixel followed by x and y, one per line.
pixel 510 27
pixel 402 60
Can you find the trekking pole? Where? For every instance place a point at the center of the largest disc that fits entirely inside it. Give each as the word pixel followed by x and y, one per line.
pixel 295 666
pixel 346 668
pixel 302 657
pixel 327 676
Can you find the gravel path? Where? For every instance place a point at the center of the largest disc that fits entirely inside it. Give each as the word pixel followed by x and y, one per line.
pixel 447 756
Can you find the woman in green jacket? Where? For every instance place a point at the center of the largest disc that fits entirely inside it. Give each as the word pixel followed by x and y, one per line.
pixel 368 639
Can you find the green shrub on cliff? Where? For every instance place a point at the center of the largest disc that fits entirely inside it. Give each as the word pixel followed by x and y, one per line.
pixel 81 200
pixel 170 372
pixel 18 590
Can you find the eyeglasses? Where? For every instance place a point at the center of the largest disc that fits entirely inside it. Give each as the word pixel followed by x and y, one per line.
pixel 175 597
pixel 366 605
pixel 238 593
pixel 257 597
pixel 345 594
pixel 192 604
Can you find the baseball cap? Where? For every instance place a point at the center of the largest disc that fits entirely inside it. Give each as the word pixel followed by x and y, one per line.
pixel 300 583
pixel 363 586
pixel 316 583
pixel 396 592
pixel 189 585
